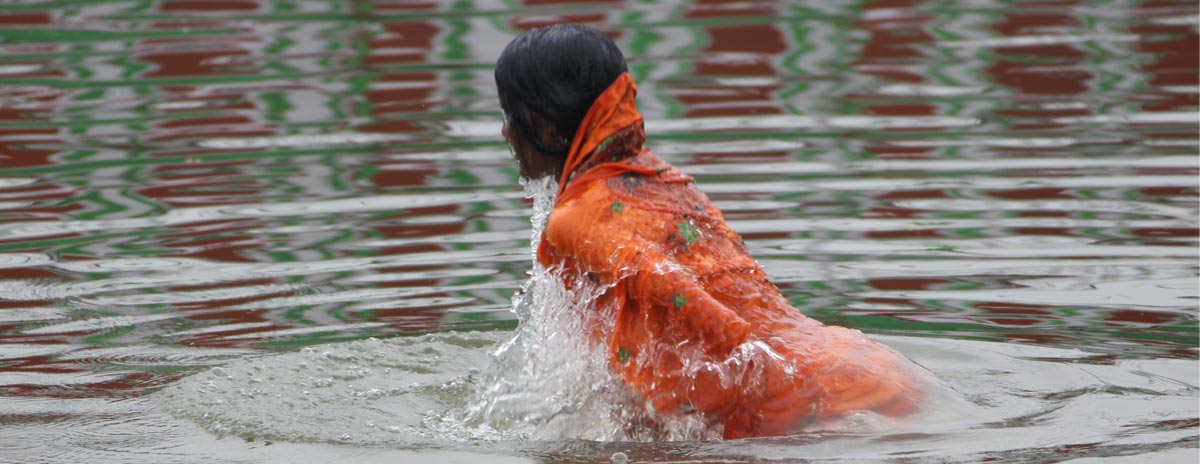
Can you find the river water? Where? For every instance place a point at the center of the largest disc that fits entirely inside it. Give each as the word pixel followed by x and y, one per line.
pixel 289 231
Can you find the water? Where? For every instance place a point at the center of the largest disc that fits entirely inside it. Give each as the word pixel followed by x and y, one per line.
pixel 273 231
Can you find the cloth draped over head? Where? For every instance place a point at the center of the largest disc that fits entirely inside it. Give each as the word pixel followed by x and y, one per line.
pixel 690 321
pixel 613 128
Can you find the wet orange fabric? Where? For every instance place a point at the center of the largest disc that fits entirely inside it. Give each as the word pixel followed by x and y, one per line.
pixel 696 325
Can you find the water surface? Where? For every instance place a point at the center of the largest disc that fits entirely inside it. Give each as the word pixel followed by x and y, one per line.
pixel 279 231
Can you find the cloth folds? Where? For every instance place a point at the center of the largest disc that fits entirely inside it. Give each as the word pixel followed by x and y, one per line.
pixel 693 324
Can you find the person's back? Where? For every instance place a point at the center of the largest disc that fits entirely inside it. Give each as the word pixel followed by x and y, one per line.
pixel 689 320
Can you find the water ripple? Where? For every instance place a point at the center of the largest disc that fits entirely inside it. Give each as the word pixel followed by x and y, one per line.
pixel 193 296
pixel 96 324
pixel 782 270
pixel 181 216
pixel 306 331
pixel 1158 294
pixel 18 260
pixel 26 350
pixel 966 182
pixel 1039 40
pixel 33 314
pixel 216 329
pixel 344 138
pixel 154 355
pixel 1002 247
pixel 781 122
pixel 57 379
pixel 749 226
pixel 1105 206
pixel 24 290
pixel 1166 162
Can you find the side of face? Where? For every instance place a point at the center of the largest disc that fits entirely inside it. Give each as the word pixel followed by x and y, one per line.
pixel 531 163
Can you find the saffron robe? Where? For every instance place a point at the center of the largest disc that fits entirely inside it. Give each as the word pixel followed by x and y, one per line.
pixel 696 325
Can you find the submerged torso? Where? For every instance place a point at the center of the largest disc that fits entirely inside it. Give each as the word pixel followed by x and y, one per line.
pixel 691 322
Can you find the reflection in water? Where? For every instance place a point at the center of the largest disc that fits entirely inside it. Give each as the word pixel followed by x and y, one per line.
pixel 251 184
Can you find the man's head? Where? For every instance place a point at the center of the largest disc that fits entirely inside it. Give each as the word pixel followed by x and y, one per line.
pixel 547 79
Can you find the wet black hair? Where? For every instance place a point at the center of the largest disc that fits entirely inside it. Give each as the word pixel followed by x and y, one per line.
pixel 555 73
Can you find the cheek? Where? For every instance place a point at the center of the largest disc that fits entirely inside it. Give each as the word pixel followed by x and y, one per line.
pixel 515 149
pixel 518 154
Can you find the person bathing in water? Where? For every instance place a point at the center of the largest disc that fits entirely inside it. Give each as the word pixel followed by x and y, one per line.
pixel 691 324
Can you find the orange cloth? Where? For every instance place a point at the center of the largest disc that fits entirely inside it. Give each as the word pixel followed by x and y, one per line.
pixel 698 326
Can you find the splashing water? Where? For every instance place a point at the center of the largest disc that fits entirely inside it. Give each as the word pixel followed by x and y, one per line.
pixel 548 381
